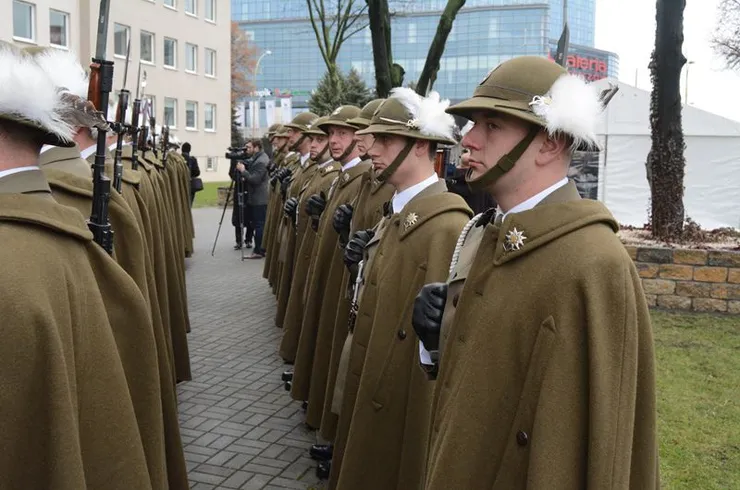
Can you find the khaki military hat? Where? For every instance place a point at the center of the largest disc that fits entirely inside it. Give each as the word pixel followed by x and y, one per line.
pixel 302 121
pixel 314 129
pixel 539 91
pixel 29 97
pixel 366 114
pixel 281 132
pixel 272 130
pixel 340 117
pixel 406 113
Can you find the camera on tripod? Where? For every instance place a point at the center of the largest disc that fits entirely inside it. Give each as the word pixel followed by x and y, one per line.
pixel 237 154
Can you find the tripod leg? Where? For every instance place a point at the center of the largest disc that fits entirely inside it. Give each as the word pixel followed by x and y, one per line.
pixel 228 196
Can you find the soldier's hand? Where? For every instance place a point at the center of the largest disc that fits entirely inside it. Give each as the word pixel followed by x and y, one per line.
pixel 285 175
pixel 284 186
pixel 429 307
pixel 355 249
pixel 315 205
pixel 342 222
pixel 290 207
pixel 274 180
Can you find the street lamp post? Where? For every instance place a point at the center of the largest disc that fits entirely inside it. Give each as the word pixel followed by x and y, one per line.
pixel 255 113
pixel 686 87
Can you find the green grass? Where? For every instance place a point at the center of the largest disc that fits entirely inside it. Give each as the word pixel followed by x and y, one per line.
pixel 698 364
pixel 208 197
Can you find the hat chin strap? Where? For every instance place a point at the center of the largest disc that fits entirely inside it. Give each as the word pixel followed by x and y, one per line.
pixel 321 154
pixel 298 143
pixel 346 153
pixel 391 169
pixel 505 164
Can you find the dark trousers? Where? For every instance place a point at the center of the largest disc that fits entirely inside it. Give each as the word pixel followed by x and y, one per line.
pixel 257 216
pixel 243 228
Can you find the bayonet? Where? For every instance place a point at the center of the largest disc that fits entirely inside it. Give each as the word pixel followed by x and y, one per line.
pixel 561 55
pixel 138 82
pixel 125 67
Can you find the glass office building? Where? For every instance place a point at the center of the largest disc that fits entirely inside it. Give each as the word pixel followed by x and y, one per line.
pixel 485 33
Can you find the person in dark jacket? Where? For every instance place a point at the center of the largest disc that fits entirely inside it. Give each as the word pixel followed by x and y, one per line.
pixel 478 201
pixel 243 229
pixel 254 175
pixel 194 168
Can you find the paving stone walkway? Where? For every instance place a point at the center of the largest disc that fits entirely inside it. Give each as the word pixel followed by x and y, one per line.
pixel 240 428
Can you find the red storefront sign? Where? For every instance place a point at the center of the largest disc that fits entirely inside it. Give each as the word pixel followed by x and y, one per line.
pixel 589 67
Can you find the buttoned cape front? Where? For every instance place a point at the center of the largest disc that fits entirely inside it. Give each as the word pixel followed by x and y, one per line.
pixel 68 421
pixel 547 376
pixel 325 274
pixel 305 241
pixel 389 419
pixel 367 212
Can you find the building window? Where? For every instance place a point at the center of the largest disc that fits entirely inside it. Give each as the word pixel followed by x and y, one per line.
pixel 120 39
pixel 170 53
pixel 209 123
pixel 210 164
pixel 170 112
pixel 191 115
pixel 191 7
pixel 412 33
pixel 170 3
pixel 147 47
pixel 191 57
pixel 210 10
pixel 24 20
pixel 58 28
pixel 210 62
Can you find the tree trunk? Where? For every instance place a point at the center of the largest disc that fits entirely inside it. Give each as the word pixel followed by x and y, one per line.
pixel 380 30
pixel 436 50
pixel 666 158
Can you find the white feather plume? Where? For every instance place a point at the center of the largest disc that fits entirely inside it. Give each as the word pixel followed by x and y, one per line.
pixel 27 92
pixel 428 113
pixel 572 107
pixel 64 69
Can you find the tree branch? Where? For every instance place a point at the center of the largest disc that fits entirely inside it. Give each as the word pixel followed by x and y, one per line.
pixel 316 32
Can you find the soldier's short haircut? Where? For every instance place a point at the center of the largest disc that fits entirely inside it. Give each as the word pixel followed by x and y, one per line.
pixel 20 133
pixel 432 150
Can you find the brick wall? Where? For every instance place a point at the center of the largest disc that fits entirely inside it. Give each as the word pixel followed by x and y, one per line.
pixel 694 280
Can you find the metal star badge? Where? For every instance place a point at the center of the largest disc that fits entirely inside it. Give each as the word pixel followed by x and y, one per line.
pixel 345 177
pixel 514 240
pixel 410 220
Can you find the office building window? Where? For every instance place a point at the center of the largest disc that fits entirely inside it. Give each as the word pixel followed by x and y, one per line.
pixel 412 33
pixel 191 115
pixel 210 62
pixel 120 39
pixel 211 164
pixel 170 112
pixel 147 47
pixel 170 52
pixel 58 28
pixel 170 3
pixel 191 57
pixel 24 20
pixel 210 10
pixel 209 124
pixel 191 7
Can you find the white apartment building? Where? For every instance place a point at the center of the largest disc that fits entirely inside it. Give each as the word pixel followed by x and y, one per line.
pixel 183 47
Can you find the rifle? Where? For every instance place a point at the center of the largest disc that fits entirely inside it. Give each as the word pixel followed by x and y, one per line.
pixel 120 126
pixel 165 143
pixel 135 124
pixel 99 88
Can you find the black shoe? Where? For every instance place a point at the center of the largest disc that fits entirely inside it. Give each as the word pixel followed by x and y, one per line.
pixel 288 385
pixel 321 452
pixel 238 246
pixel 304 406
pixel 287 375
pixel 323 470
pixel 248 245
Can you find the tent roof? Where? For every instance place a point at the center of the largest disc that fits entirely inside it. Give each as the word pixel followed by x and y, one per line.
pixel 628 113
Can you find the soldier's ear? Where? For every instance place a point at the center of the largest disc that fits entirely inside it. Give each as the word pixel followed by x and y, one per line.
pixel 552 149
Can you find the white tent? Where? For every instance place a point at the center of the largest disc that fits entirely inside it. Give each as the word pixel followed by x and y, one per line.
pixel 712 175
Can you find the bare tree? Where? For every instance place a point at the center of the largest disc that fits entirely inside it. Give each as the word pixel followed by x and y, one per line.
pixel 726 39
pixel 333 28
pixel 666 161
pixel 243 59
pixel 436 50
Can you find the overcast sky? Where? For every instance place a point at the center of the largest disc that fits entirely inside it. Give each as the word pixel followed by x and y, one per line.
pixel 627 27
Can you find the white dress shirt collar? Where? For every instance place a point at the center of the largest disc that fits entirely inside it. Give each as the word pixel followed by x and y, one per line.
pixel 11 171
pixel 537 198
pixel 400 199
pixel 88 151
pixel 352 163
pixel 304 159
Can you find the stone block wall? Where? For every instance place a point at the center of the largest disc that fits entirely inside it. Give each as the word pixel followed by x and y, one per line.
pixel 691 280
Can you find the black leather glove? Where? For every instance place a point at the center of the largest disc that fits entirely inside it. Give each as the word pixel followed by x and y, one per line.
pixel 429 306
pixel 290 207
pixel 314 207
pixel 355 249
pixel 284 186
pixel 342 222
pixel 274 180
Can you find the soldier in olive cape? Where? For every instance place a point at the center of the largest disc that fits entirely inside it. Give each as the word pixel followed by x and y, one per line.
pixel 546 375
pixel 68 420
pixel 302 143
pixel 306 226
pixel 325 271
pixel 388 421
pixel 279 144
pixel 370 201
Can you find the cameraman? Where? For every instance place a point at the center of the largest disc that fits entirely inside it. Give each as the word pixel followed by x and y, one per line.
pixel 254 175
pixel 239 211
